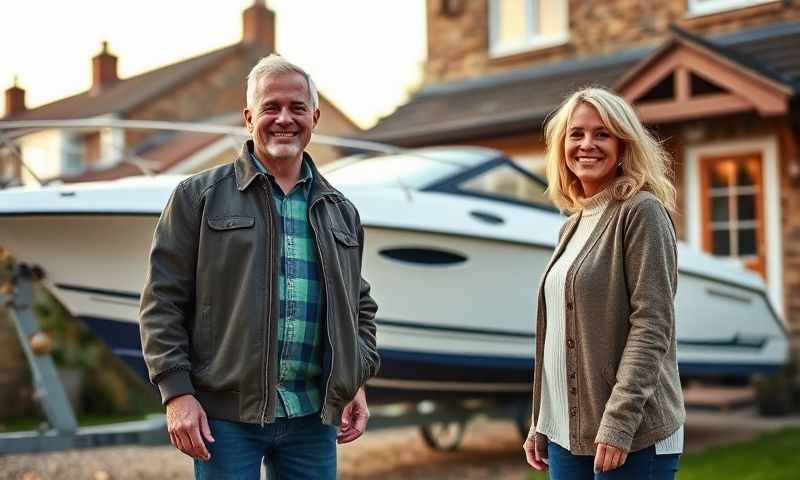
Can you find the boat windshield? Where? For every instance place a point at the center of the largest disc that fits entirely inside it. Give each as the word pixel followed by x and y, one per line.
pixel 505 182
pixel 406 170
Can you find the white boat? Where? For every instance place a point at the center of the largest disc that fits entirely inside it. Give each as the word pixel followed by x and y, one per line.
pixel 456 239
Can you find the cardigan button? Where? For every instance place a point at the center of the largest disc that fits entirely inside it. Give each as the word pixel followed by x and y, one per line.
pixel 573 390
pixel 572 376
pixel 571 343
pixel 569 306
pixel 573 411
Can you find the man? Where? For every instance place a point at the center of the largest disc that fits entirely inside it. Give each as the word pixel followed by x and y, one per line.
pixel 256 324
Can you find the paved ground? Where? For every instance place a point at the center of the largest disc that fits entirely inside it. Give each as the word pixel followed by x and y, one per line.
pixel 491 450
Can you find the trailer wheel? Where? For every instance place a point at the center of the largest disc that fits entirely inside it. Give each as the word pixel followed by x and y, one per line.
pixel 443 436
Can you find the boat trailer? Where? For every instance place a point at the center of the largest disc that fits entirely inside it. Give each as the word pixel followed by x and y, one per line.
pixel 441 424
pixel 64 432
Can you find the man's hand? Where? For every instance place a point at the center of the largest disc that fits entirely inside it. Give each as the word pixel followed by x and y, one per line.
pixel 532 455
pixel 608 457
pixel 186 420
pixel 354 418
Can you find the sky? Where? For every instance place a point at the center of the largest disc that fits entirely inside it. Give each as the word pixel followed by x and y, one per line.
pixel 365 56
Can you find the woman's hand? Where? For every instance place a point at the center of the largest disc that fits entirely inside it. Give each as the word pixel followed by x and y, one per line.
pixel 608 457
pixel 532 455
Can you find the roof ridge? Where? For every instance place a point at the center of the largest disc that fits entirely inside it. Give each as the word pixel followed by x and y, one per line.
pixel 729 52
pixel 761 32
pixel 210 53
pixel 537 71
pixel 221 52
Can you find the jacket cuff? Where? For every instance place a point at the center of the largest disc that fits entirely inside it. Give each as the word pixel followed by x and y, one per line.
pixel 175 384
pixel 614 437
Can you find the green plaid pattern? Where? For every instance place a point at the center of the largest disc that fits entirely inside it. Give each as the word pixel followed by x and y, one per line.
pixel 299 322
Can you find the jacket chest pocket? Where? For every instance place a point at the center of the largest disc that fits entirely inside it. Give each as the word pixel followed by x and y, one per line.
pixel 234 231
pixel 348 257
pixel 229 223
pixel 345 239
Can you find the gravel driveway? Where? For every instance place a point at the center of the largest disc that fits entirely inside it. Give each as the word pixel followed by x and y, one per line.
pixel 491 450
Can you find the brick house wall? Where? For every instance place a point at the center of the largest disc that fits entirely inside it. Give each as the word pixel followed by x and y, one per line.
pixel 458 45
pixel 221 91
pixel 218 91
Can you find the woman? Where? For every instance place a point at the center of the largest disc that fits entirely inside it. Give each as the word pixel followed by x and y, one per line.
pixel 607 399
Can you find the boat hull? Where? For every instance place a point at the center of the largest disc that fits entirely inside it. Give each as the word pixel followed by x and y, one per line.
pixel 457 328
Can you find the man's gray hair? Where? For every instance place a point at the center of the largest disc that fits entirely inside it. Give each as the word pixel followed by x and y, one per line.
pixel 273 65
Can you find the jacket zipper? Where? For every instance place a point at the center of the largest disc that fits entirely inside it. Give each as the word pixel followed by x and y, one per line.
pixel 327 312
pixel 269 306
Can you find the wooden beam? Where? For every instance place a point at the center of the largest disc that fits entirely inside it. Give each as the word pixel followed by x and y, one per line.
pixel 766 100
pixel 682 84
pixel 650 77
pixel 659 111
pixel 683 59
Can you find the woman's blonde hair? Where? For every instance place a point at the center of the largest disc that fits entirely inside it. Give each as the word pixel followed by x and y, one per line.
pixel 644 164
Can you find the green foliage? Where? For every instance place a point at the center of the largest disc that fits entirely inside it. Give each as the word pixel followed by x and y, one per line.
pixel 772 456
pixel 73 344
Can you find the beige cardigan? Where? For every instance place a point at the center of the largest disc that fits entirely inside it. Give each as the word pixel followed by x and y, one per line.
pixel 622 373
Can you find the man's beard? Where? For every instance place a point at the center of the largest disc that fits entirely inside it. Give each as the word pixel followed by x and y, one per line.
pixel 283 152
pixel 278 152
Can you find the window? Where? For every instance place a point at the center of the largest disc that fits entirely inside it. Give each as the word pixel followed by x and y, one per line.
pixel 702 7
pixel 520 25
pixel 732 192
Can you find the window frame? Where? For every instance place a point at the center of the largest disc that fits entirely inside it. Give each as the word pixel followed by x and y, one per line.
pixel 696 8
pixel 757 262
pixel 768 147
pixel 533 40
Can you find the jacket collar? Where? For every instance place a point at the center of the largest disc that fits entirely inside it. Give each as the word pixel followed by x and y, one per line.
pixel 245 172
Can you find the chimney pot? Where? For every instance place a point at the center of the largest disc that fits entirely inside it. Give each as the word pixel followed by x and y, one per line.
pixel 258 26
pixel 15 99
pixel 104 69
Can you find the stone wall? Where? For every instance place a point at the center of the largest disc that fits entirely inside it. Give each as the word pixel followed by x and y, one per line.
pixel 458 43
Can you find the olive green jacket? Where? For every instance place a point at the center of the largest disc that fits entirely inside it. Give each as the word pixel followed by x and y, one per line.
pixel 209 309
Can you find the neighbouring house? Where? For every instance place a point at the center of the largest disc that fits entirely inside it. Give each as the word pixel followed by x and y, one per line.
pixel 208 88
pixel 717 80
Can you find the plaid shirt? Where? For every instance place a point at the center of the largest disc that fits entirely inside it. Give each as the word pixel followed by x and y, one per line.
pixel 299 321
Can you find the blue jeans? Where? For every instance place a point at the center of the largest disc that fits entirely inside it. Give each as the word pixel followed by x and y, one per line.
pixel 292 448
pixel 641 465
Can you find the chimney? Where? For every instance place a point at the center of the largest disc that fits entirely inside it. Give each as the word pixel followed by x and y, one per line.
pixel 104 70
pixel 15 100
pixel 258 26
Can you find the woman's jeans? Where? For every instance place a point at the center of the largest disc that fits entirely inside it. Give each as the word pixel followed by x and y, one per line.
pixel 640 465
pixel 292 448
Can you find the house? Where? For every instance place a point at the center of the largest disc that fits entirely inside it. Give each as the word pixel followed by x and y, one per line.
pixel 717 80
pixel 207 88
